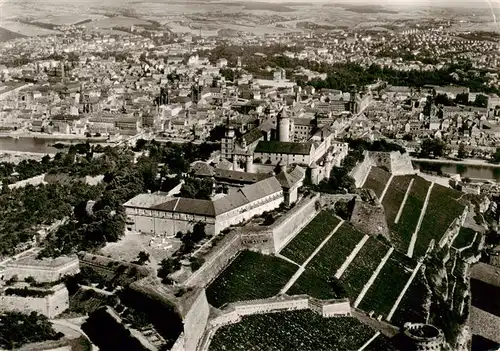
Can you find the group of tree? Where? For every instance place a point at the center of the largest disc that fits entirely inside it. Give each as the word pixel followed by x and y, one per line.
pixel 343 75
pixel 432 148
pixel 17 329
pixel 480 100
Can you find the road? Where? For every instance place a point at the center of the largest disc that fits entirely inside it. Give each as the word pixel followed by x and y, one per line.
pixel 71 328
pixel 471 162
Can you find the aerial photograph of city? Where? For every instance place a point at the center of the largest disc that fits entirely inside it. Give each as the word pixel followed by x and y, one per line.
pixel 229 175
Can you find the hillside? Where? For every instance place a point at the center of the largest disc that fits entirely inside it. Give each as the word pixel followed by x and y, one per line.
pixel 6 35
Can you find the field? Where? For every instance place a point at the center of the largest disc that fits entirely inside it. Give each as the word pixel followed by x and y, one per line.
pixel 295 330
pixel 250 276
pixel 362 267
pixel 118 21
pixel 404 229
pixel 315 281
pixel 394 197
pixel 304 244
pixel 376 180
pixel 27 29
pixel 442 210
pixel 412 306
pixel 389 283
pixel 6 35
pixel 464 238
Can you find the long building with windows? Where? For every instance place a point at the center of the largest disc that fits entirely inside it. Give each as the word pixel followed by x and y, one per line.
pixel 164 215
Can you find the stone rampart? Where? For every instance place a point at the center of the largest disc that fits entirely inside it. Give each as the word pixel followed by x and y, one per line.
pixel 394 162
pixel 453 230
pixel 288 226
pixel 195 321
pixel 401 164
pixel 329 200
pixel 233 312
pixel 216 260
pixel 267 240
pixel 361 170
pixel 51 305
pixel 370 219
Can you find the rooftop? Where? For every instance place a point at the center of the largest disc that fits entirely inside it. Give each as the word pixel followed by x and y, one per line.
pixel 281 147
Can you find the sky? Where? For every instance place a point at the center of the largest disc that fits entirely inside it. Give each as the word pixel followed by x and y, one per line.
pixel 424 3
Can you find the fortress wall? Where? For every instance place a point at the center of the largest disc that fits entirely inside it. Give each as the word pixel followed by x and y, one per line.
pixel 336 309
pixel 370 219
pixel 195 321
pixel 216 261
pixel 266 241
pixel 41 274
pixel 361 170
pixel 329 200
pixel 261 241
pixel 401 164
pixel 233 312
pixel 292 224
pixel 50 306
pixel 453 230
pixel 381 159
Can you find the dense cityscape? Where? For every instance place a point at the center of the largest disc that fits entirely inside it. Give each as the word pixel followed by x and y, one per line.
pixel 269 180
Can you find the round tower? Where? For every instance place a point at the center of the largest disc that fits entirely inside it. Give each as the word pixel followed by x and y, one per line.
pixel 284 126
pixel 249 163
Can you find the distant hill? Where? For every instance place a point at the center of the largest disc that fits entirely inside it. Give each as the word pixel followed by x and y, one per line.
pixel 6 35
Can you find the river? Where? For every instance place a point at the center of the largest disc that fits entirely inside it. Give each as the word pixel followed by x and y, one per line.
pixel 34 145
pixel 471 171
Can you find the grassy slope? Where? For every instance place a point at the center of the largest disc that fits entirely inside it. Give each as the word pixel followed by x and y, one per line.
pixel 404 229
pixel 304 244
pixel 442 210
pixel 376 180
pixel 294 330
pixel 250 276
pixel 389 283
pixel 362 267
pixel 315 280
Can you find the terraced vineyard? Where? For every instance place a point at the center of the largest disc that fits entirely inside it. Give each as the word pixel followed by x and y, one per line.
pixel 362 267
pixel 389 283
pixel 315 281
pixel 250 276
pixel 464 238
pixel 412 306
pixel 304 244
pixel 376 180
pixel 295 330
pixel 404 229
pixel 394 197
pixel 442 210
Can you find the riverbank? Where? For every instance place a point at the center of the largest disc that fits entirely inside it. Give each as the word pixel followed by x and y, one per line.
pixel 18 156
pixel 465 162
pixel 62 137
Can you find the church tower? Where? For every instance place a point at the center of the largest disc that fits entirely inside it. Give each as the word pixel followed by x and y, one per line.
pixel 284 126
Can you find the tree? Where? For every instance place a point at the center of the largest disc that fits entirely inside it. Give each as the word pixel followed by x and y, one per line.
pixel 142 257
pixel 196 263
pixel 168 266
pixel 481 101
pixel 496 156
pixel 432 147
pixel 197 188
pixel 461 151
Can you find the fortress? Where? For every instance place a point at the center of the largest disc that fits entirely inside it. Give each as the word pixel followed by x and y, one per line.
pixel 267 240
pixel 54 302
pixel 393 162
